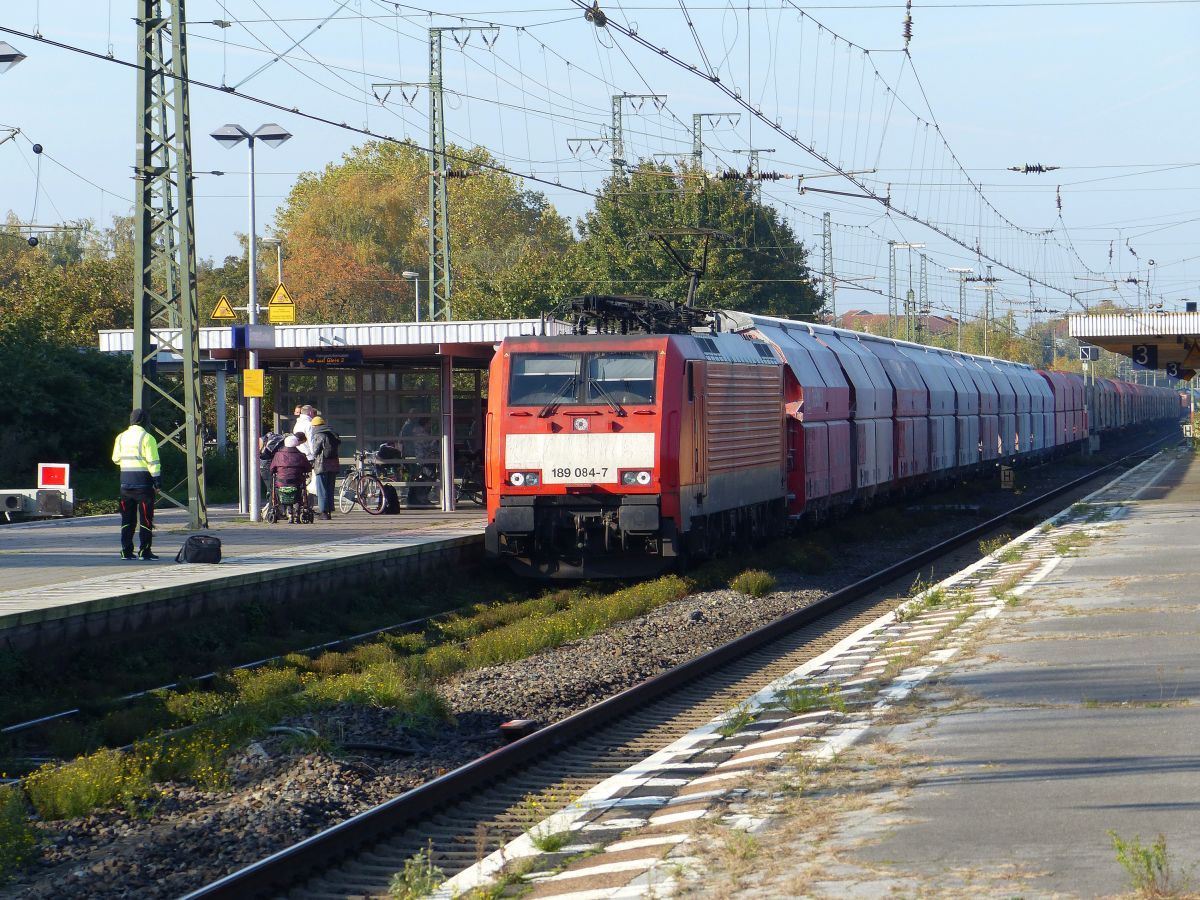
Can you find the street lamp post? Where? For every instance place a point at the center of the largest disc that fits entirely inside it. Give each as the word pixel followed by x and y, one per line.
pixel 277 243
pixel 415 278
pixel 9 56
pixel 229 136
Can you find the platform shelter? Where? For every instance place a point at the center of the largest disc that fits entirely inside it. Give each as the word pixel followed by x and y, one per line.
pixel 418 386
pixel 1155 341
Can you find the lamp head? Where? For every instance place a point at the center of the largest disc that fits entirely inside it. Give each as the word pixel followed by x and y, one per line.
pixel 272 135
pixel 9 56
pixel 229 136
pixel 408 274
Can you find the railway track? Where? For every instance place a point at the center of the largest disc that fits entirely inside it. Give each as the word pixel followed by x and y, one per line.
pixel 465 815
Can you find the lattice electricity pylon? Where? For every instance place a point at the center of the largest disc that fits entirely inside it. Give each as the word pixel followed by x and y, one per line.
pixel 166 315
pixel 439 222
pixel 827 259
pixel 618 128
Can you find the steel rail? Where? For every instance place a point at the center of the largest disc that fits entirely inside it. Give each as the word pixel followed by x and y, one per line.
pixel 293 864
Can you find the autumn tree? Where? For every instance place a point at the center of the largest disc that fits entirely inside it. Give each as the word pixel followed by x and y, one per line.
pixel 351 230
pixel 761 266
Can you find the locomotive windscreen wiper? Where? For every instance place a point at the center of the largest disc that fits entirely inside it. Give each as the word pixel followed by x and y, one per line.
pixel 560 394
pixel 617 407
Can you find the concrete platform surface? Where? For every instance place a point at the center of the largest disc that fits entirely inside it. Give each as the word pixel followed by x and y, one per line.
pixel 71 568
pixel 62 551
pixel 1075 715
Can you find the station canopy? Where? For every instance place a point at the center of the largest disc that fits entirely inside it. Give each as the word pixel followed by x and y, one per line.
pixel 1163 341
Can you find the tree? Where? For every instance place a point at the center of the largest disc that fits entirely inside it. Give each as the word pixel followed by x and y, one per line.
pixel 763 269
pixel 351 230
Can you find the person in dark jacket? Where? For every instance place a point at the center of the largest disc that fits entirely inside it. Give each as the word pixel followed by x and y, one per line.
pixel 290 467
pixel 326 464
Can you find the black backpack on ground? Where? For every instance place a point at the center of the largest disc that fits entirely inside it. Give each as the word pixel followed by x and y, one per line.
pixel 200 548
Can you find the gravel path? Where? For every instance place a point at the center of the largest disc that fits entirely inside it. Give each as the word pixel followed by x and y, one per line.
pixel 283 792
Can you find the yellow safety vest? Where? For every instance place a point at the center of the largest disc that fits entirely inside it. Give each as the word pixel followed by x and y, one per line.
pixel 136 450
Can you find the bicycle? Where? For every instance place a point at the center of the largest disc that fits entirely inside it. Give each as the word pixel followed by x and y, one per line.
pixel 363 485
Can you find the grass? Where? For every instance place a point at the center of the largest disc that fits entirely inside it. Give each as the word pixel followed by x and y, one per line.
pixel 1069 544
pixel 418 878
pixel 1149 868
pixel 738 718
pixel 930 598
pixel 532 812
pixel 18 840
pixel 755 582
pixel 805 698
pixel 1000 548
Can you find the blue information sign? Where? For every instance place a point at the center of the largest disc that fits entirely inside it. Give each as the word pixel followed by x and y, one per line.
pixel 1145 356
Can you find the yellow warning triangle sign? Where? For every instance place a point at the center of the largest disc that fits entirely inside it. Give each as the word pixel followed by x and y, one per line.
pixel 281 308
pixel 223 310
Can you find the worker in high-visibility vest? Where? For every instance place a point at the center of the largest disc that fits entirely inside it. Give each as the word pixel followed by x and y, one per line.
pixel 136 452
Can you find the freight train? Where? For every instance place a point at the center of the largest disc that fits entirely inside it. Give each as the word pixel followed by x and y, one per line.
pixel 621 455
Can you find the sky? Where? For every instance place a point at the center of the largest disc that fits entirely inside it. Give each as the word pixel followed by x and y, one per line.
pixel 1103 89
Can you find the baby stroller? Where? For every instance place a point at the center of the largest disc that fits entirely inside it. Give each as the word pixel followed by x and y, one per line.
pixel 289 503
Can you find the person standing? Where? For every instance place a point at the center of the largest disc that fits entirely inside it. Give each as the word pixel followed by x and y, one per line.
pixel 136 452
pixel 326 464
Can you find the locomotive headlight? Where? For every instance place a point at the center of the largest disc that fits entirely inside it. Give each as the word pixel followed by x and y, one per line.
pixel 524 479
pixel 643 478
pixel 516 479
pixel 631 477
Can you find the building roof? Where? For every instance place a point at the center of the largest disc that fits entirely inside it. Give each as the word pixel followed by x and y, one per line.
pixel 375 339
pixel 866 319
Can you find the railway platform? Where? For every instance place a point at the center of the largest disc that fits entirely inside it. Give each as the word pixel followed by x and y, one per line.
pixel 1016 751
pixel 63 579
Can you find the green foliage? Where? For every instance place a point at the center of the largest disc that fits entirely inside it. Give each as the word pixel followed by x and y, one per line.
pixel 755 582
pixel 87 783
pixel 1149 867
pixel 353 228
pixel 738 718
pixel 418 878
pixel 18 840
pixel 805 698
pixel 64 403
pixel 762 269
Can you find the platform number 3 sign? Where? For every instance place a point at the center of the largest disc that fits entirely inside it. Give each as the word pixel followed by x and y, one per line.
pixel 1145 356
pixel 1173 370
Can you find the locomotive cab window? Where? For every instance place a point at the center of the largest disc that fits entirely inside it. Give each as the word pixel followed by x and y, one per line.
pixel 625 377
pixel 590 379
pixel 539 378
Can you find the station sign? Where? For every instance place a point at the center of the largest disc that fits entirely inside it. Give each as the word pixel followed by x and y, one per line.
pixel 54 475
pixel 252 383
pixel 1172 370
pixel 281 308
pixel 1145 356
pixel 332 359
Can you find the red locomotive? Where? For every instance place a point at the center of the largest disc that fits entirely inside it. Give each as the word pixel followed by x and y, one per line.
pixel 622 454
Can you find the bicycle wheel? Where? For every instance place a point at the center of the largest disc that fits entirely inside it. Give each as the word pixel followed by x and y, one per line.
pixel 348 493
pixel 370 494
